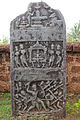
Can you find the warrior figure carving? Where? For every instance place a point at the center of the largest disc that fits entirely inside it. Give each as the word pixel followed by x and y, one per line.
pixel 35 100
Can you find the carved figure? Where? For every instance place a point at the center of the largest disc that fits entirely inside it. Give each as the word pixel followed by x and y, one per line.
pixel 58 58
pixel 37 13
pixel 60 77
pixel 53 19
pixel 30 13
pixel 23 22
pixel 17 101
pixel 37 54
pixel 58 47
pixel 49 97
pixel 22 56
pixel 18 86
pixel 35 100
pixel 16 57
pixel 51 59
pixel 18 22
pixel 42 85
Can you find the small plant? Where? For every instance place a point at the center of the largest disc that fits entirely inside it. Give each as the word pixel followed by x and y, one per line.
pixel 73 107
pixel 74 34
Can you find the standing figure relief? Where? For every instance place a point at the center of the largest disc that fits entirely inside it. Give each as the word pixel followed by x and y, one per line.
pixel 30 13
pixel 16 57
pixel 22 56
pixel 52 56
pixel 58 59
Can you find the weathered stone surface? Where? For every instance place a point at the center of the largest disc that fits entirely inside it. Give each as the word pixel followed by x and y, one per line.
pixel 38 62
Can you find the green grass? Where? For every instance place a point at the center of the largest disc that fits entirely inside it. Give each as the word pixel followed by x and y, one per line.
pixel 72 107
pixel 5 107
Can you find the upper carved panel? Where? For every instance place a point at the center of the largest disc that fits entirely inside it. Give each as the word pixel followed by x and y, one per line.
pixel 38 14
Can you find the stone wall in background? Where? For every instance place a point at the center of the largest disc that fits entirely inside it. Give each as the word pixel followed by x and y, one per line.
pixel 4 68
pixel 73 67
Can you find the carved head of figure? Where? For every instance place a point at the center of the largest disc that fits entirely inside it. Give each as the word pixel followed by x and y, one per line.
pixel 23 18
pixel 58 47
pixel 34 88
pixel 23 92
pixel 19 84
pixel 58 52
pixel 21 46
pixel 29 9
pixel 16 48
pixel 52 46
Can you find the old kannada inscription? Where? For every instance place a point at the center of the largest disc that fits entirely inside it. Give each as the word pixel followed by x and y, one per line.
pixel 38 66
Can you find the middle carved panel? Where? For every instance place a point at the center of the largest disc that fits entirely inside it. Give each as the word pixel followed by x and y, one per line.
pixel 38 54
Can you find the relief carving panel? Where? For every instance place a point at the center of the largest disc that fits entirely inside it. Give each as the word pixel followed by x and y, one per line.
pixel 38 62
pixel 38 54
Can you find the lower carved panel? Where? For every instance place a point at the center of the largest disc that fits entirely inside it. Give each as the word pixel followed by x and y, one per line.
pixel 38 96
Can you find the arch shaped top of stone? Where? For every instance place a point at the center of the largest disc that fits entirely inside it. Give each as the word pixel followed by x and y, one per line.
pixel 38 14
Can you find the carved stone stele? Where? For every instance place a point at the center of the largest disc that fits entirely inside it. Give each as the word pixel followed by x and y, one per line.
pixel 38 62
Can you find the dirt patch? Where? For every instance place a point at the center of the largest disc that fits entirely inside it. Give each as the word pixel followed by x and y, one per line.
pixel 1 98
pixel 73 97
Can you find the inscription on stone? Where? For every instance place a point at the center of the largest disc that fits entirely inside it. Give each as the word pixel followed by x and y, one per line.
pixel 38 62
